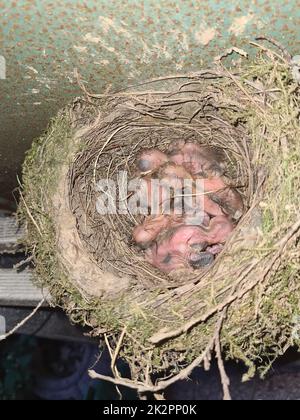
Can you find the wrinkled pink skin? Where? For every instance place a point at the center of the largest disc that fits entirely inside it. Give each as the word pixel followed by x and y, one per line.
pixel 192 239
pixel 203 160
pixel 203 201
pixel 196 218
pixel 150 160
pixel 228 198
pixel 177 158
pixel 215 249
pixel 175 146
pixel 147 232
pixel 210 207
pixel 172 176
pixel 184 247
pixel 144 234
pixel 196 159
pixel 219 230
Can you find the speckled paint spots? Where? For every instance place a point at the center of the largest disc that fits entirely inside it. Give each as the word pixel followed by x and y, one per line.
pixel 32 69
pixel 239 24
pixel 113 43
pixel 80 48
pixel 108 24
pixel 91 38
pixel 205 35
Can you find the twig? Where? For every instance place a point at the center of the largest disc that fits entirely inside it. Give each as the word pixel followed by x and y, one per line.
pixel 113 366
pixel 23 262
pixel 29 213
pixel 272 41
pixel 166 335
pixel 118 348
pixel 141 387
pixel 267 50
pixel 161 385
pixel 116 94
pixel 230 51
pixel 224 378
pixel 196 75
pixel 241 87
pixel 23 322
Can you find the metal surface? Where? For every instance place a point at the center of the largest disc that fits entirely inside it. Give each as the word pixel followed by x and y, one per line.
pixel 47 323
pixel 16 289
pixel 112 43
pixel 10 233
pixel 18 295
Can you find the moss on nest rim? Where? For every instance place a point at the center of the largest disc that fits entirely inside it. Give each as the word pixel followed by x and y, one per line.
pixel 248 302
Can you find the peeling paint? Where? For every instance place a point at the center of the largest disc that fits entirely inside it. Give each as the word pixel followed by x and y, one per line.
pixel 147 53
pixel 102 63
pixel 91 38
pixel 181 37
pixel 178 66
pixel 114 44
pixel 97 40
pixel 134 74
pixel 239 24
pixel 108 23
pixel 32 69
pixel 46 81
pixel 205 35
pixel 79 48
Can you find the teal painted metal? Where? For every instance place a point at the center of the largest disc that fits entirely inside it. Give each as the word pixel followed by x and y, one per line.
pixel 113 43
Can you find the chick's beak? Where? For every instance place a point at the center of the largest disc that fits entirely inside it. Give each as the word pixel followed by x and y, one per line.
pixel 202 259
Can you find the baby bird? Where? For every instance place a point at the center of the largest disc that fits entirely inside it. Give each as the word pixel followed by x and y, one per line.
pixel 150 159
pixel 189 205
pixel 147 232
pixel 228 198
pixel 188 246
pixel 198 159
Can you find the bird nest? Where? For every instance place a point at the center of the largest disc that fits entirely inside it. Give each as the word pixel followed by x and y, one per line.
pixel 245 305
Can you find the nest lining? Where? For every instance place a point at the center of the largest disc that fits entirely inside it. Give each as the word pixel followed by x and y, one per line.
pixel 108 237
pixel 246 302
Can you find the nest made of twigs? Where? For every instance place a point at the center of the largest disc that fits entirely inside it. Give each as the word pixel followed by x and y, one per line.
pixel 247 301
pixel 110 153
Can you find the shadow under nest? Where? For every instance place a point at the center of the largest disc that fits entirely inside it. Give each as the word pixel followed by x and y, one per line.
pixel 245 302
